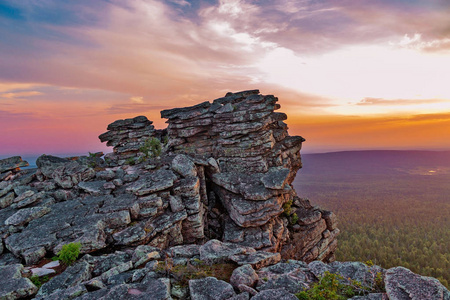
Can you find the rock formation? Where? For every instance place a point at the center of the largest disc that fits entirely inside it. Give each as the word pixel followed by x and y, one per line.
pixel 214 188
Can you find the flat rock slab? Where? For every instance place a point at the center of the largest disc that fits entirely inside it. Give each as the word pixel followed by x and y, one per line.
pixel 402 284
pixel 210 288
pixel 79 272
pixel 257 260
pixel 25 215
pixel 217 251
pixel 13 285
pixel 276 178
pixel 276 294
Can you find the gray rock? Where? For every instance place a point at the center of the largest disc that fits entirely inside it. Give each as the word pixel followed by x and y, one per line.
pixel 176 204
pixel 156 181
pixel 13 285
pixel 184 166
pixel 42 271
pixel 144 253
pixel 30 200
pixel 210 288
pixel 69 293
pixel 355 270
pixel 276 178
pixel 106 175
pixel 72 276
pixel 257 259
pixel 103 264
pixel 25 215
pixel 241 296
pixel 185 251
pixel 285 281
pixel 373 296
pixel 244 275
pixel 94 188
pixel 12 163
pixel 8 259
pixel 402 284
pixel 275 294
pixel 7 200
pixel 216 251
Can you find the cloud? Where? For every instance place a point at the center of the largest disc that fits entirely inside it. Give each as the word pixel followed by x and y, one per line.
pixel 8 115
pixel 181 2
pixel 381 101
pixel 417 42
pixel 139 100
pixel 20 94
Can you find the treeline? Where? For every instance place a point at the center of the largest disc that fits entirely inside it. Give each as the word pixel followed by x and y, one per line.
pixel 393 221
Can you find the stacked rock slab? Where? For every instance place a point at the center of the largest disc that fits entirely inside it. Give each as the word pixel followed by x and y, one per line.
pixel 127 137
pixel 257 162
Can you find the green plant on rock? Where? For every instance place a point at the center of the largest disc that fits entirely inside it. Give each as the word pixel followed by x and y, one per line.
pixel 151 148
pixel 39 281
pixel 333 287
pixel 294 219
pixel 287 208
pixel 200 269
pixel 69 253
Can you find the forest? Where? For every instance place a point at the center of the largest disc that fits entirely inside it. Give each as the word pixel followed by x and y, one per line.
pixel 393 212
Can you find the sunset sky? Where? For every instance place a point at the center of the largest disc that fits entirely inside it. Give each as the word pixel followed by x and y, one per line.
pixel 349 74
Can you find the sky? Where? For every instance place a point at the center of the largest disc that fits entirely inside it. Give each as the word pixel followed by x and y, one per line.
pixel 351 75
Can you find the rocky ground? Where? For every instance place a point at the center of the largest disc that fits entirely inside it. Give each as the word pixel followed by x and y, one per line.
pixel 204 209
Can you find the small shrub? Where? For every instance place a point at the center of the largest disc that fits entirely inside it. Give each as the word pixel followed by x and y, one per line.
pixel 151 148
pixel 69 253
pixel 369 263
pixel 287 208
pixel 294 219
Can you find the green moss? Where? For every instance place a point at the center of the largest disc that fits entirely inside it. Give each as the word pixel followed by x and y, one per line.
pixel 183 273
pixel 39 281
pixel 335 287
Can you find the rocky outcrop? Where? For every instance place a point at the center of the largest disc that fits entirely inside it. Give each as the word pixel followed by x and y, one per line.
pixel 182 272
pixel 128 137
pixel 213 190
pixel 252 201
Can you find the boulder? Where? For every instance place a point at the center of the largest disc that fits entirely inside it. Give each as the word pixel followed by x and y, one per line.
pixel 13 285
pixel 401 284
pixel 210 288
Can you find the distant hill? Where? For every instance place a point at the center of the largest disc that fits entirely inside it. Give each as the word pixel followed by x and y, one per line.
pixel 377 162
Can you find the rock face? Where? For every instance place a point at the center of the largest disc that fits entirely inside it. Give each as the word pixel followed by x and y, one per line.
pixel 251 200
pixel 216 189
pixel 128 137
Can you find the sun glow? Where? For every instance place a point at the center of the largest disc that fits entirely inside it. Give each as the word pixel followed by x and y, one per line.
pixel 349 75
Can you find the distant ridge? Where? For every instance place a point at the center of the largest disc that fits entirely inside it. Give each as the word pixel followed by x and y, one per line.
pixel 377 162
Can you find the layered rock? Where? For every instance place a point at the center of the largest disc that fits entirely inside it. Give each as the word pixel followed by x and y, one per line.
pixel 128 136
pixel 257 163
pixel 10 166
